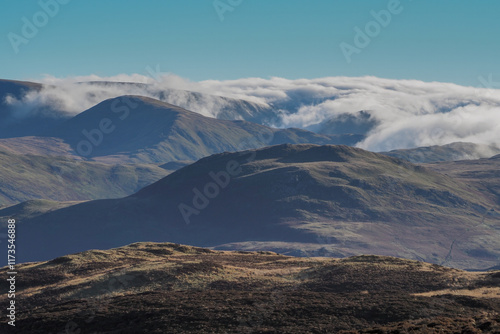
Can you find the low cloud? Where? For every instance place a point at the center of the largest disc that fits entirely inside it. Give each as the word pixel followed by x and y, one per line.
pixel 406 113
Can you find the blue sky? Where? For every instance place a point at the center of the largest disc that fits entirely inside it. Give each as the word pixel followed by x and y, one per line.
pixel 447 41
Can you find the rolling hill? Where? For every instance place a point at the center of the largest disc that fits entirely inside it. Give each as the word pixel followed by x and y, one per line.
pixel 218 106
pixel 359 123
pixel 484 174
pixel 26 177
pixel 135 129
pixel 158 288
pixel 450 152
pixel 295 199
pixel 17 120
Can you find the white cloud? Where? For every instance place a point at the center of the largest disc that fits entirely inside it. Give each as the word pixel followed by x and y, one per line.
pixel 408 113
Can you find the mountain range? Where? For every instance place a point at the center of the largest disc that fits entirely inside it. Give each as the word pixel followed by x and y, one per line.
pixel 135 129
pixel 148 209
pixel 295 199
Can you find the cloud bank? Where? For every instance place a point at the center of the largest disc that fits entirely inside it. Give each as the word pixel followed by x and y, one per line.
pixel 406 113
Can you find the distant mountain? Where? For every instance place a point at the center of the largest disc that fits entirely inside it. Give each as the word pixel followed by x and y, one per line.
pixel 149 287
pixel 17 88
pixel 14 119
pixel 218 106
pixel 359 123
pixel 338 200
pixel 25 177
pixel 134 129
pixel 449 152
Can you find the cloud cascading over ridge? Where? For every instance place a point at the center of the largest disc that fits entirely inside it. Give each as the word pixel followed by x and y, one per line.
pixel 406 113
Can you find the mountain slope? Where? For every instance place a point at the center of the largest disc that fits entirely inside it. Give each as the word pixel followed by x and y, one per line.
pixel 217 106
pixel 450 152
pixel 148 287
pixel 25 177
pixel 136 129
pixel 22 119
pixel 340 199
pixel 359 123
pixel 484 174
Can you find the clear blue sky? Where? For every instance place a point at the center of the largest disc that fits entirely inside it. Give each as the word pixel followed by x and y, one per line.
pixel 449 41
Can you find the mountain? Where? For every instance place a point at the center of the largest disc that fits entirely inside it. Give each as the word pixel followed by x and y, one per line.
pixel 483 174
pixel 17 88
pixel 359 123
pixel 135 129
pixel 205 104
pixel 218 106
pixel 25 177
pixel 298 199
pixel 149 287
pixel 449 152
pixel 21 119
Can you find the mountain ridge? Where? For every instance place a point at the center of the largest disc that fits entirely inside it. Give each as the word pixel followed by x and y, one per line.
pixel 135 129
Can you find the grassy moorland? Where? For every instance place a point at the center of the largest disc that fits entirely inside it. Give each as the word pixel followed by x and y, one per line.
pixel 27 177
pixel 164 287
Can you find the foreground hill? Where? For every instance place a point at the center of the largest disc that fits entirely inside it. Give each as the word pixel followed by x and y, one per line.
pixel 449 152
pixel 26 177
pixel 295 199
pixel 158 288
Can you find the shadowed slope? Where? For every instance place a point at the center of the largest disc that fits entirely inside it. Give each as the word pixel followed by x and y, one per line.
pixel 135 129
pixel 291 198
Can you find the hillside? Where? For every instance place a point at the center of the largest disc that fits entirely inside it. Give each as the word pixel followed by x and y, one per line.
pixel 24 119
pixel 359 123
pixel 451 152
pixel 295 199
pixel 143 130
pixel 154 288
pixel 218 106
pixel 26 177
pixel 484 174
